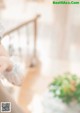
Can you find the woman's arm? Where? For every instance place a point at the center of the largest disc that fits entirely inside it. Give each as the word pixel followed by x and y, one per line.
pixel 6 97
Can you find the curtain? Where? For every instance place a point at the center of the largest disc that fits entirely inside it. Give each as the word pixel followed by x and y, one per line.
pixel 67 28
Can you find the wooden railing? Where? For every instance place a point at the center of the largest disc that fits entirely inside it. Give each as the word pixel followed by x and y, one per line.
pixel 34 20
pixel 20 26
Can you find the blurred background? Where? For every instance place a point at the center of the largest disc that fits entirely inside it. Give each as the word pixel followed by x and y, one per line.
pixel 46 38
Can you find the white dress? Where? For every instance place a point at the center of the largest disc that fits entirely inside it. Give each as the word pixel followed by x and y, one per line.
pixel 15 76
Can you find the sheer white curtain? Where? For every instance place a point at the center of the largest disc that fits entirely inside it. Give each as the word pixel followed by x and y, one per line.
pixel 61 16
pixel 67 22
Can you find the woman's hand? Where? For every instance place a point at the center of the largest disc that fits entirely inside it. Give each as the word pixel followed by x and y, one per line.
pixel 5 64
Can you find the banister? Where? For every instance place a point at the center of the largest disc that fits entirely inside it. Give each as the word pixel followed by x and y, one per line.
pixel 34 21
pixel 19 26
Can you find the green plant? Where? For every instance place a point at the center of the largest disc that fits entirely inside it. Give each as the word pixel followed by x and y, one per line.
pixel 66 87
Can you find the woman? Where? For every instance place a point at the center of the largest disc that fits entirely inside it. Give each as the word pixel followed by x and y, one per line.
pixel 13 73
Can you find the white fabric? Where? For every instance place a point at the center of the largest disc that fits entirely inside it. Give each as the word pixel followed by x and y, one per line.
pixel 16 75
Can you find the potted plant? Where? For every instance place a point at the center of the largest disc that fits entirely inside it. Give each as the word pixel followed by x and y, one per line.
pixel 63 95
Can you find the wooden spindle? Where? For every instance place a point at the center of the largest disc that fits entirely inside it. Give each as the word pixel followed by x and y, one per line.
pixel 34 60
